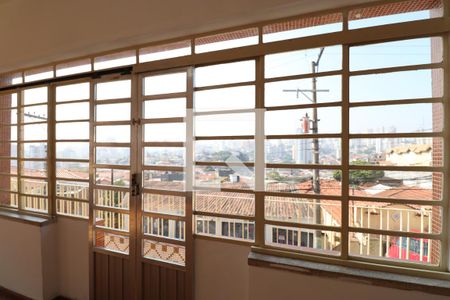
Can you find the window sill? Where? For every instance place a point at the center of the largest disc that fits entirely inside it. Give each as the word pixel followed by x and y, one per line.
pixel 377 278
pixel 23 218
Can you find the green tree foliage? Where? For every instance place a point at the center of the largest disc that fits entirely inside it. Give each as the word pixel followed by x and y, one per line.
pixel 358 177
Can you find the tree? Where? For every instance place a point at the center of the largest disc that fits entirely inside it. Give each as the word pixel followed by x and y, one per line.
pixel 358 177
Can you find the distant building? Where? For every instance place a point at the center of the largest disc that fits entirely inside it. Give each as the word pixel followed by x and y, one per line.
pixel 411 155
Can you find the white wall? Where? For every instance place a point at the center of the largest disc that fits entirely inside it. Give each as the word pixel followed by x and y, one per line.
pixel 20 258
pixel 271 284
pixel 73 258
pixel 44 262
pixel 221 270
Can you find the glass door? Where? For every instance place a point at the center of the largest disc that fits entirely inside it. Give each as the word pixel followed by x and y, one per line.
pixel 112 212
pixel 165 223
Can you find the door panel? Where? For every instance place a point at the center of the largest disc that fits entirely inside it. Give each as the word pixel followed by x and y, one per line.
pixel 112 211
pixel 165 225
pixel 141 199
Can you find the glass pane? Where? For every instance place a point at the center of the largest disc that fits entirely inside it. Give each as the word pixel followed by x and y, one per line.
pixel 413 250
pixel 225 150
pixel 304 211
pixel 112 156
pixel 72 208
pixel 242 97
pixel 72 92
pixel 397 86
pixel 113 112
pixel 299 121
pixel 75 111
pixel 164 204
pixel 112 242
pixel 72 170
pixel 39 74
pixel 12 78
pixel 34 150
pixel 72 189
pixel 165 132
pixel 227 40
pixel 225 125
pixel 158 52
pixel 395 184
pixel 302 27
pixel 8 116
pixel 8 183
pixel 301 151
pixel 34 168
pixel 72 131
pixel 112 177
pixel 167 108
pixel 225 73
pixel 300 61
pixel 225 228
pixel 113 134
pixel 236 177
pixel 303 181
pixel 396 54
pixel 33 114
pixel 73 67
pixel 8 166
pixel 115 60
pixel 165 252
pixel 8 133
pixel 165 84
pixel 397 151
pixel 110 198
pixel 35 204
pixel 164 156
pixel 8 100
pixel 72 150
pixel 239 204
pixel 33 186
pixel 164 180
pixel 295 92
pixel 112 220
pixel 319 241
pixel 113 90
pixel 162 227
pixel 397 217
pixel 396 118
pixel 396 12
pixel 8 149
pixel 36 95
pixel 9 200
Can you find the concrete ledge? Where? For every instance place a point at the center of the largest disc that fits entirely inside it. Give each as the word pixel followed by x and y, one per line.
pixel 24 218
pixel 378 278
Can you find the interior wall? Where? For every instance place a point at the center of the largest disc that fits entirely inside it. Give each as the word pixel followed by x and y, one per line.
pixel 221 270
pixel 40 32
pixel 271 284
pixel 73 258
pixel 20 258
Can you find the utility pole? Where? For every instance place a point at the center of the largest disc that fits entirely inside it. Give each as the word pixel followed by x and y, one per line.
pixel 315 143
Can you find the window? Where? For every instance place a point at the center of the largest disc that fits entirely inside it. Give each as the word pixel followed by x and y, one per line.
pixel 224 150
pixel 72 151
pixel 335 150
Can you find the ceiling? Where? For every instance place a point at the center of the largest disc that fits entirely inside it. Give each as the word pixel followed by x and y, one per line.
pixel 37 32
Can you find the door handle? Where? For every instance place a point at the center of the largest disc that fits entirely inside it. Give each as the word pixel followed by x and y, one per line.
pixel 135 184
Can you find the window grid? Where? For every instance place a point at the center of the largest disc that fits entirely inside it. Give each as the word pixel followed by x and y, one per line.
pixel 227 188
pixel 71 164
pixel 345 149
